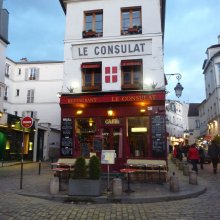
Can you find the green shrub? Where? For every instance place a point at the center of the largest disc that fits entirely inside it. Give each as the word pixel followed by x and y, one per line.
pixel 94 168
pixel 80 169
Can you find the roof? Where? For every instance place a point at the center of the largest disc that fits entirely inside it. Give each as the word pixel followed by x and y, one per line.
pixel 35 62
pixel 193 109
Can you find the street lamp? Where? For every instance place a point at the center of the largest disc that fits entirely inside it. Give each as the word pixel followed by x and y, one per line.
pixel 178 88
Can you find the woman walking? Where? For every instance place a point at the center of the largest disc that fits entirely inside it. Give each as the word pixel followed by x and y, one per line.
pixel 193 156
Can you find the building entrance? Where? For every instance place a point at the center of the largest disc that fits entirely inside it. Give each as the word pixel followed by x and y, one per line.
pixel 112 139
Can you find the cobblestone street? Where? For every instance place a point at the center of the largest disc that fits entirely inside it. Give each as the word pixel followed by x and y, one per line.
pixel 205 206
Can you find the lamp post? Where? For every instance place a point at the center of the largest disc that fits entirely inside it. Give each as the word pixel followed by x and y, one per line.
pixel 178 88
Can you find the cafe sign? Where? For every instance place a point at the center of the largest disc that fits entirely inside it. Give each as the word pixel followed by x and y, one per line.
pixel 112 49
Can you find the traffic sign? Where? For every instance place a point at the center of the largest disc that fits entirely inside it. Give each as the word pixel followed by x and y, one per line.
pixel 27 122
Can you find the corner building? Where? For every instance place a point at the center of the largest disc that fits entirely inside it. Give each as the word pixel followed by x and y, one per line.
pixel 113 95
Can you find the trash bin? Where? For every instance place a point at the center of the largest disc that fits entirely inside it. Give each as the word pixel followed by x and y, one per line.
pixel 54 185
pixel 117 186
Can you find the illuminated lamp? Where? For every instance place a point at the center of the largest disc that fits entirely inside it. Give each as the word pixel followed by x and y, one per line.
pixel 1 114
pixel 110 112
pixel 142 110
pixel 79 112
pixel 140 129
pixel 30 146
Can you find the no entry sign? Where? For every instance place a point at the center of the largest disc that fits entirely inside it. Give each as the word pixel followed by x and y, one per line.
pixel 26 122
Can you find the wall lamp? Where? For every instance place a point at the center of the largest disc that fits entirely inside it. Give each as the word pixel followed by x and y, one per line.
pixel 178 88
pixel 1 114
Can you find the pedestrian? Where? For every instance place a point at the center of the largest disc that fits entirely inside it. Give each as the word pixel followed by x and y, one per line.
pixel 193 156
pixel 202 156
pixel 214 153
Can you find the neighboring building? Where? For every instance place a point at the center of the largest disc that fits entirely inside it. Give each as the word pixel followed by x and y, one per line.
pixel 113 95
pixel 3 45
pixel 210 108
pixel 176 121
pixel 193 123
pixel 31 89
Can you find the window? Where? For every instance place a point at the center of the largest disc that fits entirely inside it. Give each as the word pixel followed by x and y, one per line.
pixel 17 92
pixel 131 21
pixel 19 71
pixel 7 66
pixel 132 76
pixel 30 96
pixel 6 93
pixel 32 73
pixel 91 76
pixel 32 114
pixel 93 24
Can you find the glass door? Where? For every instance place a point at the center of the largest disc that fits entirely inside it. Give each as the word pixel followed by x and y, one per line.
pixel 112 140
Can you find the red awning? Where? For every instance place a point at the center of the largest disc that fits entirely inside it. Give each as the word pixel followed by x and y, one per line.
pixel 90 65
pixel 131 63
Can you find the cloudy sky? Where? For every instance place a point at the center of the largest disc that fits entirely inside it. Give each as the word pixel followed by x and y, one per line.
pixel 36 31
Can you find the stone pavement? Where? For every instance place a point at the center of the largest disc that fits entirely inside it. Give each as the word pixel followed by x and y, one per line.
pixel 36 185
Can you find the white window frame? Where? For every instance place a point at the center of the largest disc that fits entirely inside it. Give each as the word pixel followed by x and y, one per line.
pixel 30 96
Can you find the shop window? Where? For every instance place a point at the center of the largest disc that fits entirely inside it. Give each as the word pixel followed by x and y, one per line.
pixel 137 134
pixel 131 21
pixel 93 26
pixel 132 76
pixel 85 133
pixel 91 77
pixel 30 96
pixel 32 73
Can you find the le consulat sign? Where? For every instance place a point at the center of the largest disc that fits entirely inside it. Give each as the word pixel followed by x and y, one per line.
pixel 112 49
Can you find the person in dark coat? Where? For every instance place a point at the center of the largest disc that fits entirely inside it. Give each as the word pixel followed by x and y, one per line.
pixel 202 156
pixel 214 153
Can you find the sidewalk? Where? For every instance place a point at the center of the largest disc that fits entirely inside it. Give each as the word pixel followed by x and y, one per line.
pixel 37 185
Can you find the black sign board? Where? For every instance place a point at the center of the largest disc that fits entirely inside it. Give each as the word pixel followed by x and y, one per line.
pixel 158 129
pixel 66 136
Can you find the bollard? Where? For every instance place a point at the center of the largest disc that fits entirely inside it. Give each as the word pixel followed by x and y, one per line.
pixel 193 178
pixel 180 165
pixel 185 169
pixel 39 168
pixel 174 183
pixel 54 185
pixel 117 186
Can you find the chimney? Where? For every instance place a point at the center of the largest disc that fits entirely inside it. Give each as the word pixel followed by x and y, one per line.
pixel 218 39
pixel 24 59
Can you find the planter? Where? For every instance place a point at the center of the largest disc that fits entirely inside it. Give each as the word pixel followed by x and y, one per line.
pixel 84 187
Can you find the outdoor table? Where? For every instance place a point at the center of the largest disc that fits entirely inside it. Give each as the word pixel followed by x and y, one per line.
pixel 128 171
pixel 60 170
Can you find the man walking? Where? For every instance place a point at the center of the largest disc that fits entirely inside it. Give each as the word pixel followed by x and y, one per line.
pixel 214 153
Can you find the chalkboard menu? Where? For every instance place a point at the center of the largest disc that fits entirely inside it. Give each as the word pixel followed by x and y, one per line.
pixel 66 137
pixel 158 129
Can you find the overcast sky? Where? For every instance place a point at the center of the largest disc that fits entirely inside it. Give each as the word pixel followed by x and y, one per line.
pixel 36 31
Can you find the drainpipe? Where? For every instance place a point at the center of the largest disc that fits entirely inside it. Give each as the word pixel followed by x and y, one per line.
pixel 35 140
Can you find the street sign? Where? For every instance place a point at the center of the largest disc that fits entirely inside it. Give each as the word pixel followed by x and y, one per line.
pixel 26 122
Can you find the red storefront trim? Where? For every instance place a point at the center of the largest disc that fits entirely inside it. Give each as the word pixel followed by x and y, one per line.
pixel 131 63
pixel 90 65
pixel 112 98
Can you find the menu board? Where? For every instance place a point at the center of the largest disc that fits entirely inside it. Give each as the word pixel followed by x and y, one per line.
pixel 66 137
pixel 158 129
pixel 108 157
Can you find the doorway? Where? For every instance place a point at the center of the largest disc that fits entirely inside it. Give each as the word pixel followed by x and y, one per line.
pixel 112 139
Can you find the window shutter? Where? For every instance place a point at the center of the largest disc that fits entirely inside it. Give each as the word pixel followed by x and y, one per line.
pixel 23 113
pixel 37 74
pixel 35 114
pixel 32 96
pixel 26 74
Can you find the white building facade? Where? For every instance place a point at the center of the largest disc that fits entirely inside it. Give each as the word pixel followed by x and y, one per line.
pixel 210 108
pixel 113 53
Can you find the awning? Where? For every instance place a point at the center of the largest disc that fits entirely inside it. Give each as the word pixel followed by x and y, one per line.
pixel 131 63
pixel 90 65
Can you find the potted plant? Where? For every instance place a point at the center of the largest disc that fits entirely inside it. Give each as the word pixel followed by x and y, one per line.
pixel 85 182
pixel 89 33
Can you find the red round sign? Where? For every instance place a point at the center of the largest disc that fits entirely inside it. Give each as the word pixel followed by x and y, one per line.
pixel 26 122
